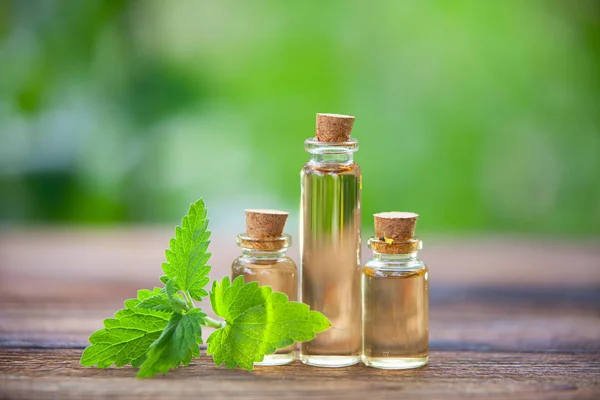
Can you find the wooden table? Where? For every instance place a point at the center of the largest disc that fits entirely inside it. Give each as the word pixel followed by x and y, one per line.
pixel 515 318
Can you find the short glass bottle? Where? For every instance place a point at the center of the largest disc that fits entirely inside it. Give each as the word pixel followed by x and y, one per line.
pixel 265 261
pixel 395 306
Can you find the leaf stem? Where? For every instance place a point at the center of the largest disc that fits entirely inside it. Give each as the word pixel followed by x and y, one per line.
pixel 213 323
pixel 188 299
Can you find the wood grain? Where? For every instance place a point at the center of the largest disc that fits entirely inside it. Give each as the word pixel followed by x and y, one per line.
pixel 466 319
pixel 509 318
pixel 452 375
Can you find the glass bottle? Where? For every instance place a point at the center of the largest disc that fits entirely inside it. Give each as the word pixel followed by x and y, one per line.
pixel 264 260
pixel 330 241
pixel 395 296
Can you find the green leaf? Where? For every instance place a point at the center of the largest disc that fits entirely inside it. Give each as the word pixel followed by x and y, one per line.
pixel 175 299
pixel 187 257
pixel 165 299
pixel 158 302
pixel 258 321
pixel 126 337
pixel 176 345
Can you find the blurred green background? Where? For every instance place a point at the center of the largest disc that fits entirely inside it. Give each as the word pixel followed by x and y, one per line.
pixel 479 115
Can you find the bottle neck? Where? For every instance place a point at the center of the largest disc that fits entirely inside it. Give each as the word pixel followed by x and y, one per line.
pixel 263 254
pixel 331 153
pixel 395 258
pixel 326 158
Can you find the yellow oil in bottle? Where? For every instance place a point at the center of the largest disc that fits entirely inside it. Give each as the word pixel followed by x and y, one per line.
pixel 395 316
pixel 330 250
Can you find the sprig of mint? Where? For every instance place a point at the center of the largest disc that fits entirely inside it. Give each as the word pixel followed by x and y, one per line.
pixel 161 328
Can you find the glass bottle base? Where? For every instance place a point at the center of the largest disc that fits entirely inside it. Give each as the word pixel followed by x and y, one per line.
pixel 395 362
pixel 329 361
pixel 277 359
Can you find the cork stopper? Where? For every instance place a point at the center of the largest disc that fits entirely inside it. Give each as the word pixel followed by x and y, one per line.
pixel 396 225
pixel 265 224
pixel 334 128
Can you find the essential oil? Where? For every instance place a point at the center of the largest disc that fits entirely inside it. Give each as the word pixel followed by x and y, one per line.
pixel 264 260
pixel 395 296
pixel 330 242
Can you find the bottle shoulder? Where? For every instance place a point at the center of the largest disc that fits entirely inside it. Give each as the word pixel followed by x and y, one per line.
pixel 261 263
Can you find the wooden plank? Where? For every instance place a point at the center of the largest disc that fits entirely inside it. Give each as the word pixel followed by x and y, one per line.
pixel 461 319
pixel 452 375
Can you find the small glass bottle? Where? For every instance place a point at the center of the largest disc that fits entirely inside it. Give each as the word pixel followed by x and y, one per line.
pixel 264 260
pixel 330 241
pixel 395 296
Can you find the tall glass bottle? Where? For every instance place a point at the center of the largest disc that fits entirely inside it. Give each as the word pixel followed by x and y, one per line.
pixel 330 241
pixel 264 260
pixel 395 296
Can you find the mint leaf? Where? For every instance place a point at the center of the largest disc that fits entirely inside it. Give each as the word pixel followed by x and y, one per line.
pixel 126 337
pixel 166 299
pixel 170 291
pixel 187 257
pixel 258 321
pixel 161 328
pixel 176 345
pixel 158 302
